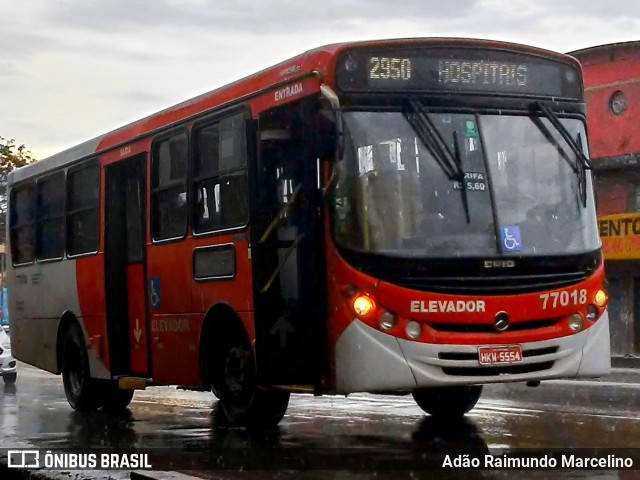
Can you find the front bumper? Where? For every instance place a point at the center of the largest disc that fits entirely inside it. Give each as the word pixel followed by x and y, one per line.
pixel 368 360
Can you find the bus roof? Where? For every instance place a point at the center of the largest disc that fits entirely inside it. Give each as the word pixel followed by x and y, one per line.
pixel 321 59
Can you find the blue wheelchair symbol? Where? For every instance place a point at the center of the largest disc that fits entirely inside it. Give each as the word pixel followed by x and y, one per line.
pixel 154 292
pixel 510 238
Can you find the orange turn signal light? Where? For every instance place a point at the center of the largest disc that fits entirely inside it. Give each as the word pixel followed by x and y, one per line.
pixel 600 298
pixel 363 305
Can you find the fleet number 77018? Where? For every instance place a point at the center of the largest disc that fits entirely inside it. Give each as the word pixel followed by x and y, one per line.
pixel 563 298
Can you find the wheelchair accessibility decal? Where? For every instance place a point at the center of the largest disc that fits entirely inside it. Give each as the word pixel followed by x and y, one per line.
pixel 154 292
pixel 510 238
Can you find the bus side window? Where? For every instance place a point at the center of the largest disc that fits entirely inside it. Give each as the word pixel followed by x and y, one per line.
pixel 233 198
pixel 22 219
pixel 50 217
pixel 220 175
pixel 169 188
pixel 83 196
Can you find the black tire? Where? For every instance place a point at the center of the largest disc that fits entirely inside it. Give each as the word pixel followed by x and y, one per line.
pixel 448 402
pixel 10 378
pixel 82 391
pixel 115 399
pixel 242 403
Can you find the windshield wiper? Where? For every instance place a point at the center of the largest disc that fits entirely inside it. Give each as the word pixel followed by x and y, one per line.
pixel 581 163
pixel 450 162
pixel 419 119
pixel 463 188
pixel 582 174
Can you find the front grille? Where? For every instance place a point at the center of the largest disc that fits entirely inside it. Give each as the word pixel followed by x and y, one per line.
pixel 490 285
pixel 496 371
pixel 471 276
pixel 488 327
pixel 536 352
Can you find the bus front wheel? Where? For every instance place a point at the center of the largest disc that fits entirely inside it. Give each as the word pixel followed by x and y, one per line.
pixel 448 402
pixel 10 378
pixel 81 390
pixel 243 402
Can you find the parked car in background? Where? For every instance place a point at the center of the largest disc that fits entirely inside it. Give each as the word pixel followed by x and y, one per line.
pixel 8 364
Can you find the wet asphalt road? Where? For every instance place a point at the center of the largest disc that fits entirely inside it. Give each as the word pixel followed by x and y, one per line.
pixel 592 414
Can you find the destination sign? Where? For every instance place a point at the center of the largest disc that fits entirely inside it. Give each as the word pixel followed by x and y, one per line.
pixel 480 73
pixel 458 70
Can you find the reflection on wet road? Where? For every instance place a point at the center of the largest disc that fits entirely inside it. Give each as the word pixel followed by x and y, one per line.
pixel 555 415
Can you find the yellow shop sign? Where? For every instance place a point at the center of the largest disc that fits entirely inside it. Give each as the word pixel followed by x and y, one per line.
pixel 620 235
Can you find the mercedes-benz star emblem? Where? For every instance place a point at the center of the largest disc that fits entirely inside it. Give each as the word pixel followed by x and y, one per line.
pixel 501 321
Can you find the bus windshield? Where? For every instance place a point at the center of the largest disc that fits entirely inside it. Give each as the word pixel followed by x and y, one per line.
pixel 519 195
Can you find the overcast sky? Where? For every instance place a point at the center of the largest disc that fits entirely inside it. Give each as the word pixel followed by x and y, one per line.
pixel 74 69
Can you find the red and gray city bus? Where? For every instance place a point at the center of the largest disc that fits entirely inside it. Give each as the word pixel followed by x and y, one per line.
pixel 397 216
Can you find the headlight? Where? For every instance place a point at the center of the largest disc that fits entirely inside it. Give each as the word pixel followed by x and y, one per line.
pixel 413 329
pixel 575 322
pixel 592 313
pixel 387 321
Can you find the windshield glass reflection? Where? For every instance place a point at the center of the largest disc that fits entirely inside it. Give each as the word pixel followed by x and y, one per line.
pixel 394 197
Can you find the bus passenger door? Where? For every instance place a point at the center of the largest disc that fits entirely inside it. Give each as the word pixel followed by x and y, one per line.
pixel 287 260
pixel 124 262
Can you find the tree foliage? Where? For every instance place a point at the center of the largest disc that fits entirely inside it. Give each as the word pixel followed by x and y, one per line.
pixel 12 156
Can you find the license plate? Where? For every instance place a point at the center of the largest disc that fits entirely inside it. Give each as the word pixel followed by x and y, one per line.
pixel 499 355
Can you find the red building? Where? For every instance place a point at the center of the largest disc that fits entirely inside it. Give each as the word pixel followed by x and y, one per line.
pixel 612 84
